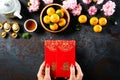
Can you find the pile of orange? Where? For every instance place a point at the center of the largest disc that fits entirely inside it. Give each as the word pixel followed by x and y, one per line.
pixel 94 21
pixel 98 23
pixel 54 18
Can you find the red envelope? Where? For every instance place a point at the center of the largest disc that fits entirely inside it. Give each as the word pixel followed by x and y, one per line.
pixel 60 54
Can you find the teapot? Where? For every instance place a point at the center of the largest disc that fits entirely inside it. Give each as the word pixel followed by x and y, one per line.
pixel 10 8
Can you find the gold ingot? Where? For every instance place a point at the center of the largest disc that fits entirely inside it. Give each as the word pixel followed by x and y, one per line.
pixel 3 34
pixel 7 27
pixel 14 35
pixel 15 27
pixel 1 25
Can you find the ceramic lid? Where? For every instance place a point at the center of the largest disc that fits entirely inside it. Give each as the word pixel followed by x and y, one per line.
pixel 7 6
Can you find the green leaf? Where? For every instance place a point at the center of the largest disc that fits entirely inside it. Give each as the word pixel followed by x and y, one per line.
pixel 26 35
pixel 59 14
pixel 77 27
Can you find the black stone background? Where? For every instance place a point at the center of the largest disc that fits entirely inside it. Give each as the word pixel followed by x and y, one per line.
pixel 97 53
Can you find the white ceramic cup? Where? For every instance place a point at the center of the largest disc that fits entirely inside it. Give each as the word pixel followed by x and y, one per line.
pixel 30 25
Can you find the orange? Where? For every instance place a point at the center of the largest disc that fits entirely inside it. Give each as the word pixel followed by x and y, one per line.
pixel 29 3
pixel 95 1
pixel 94 21
pixel 54 18
pixel 53 27
pixel 62 22
pixel 46 19
pixel 82 19
pixel 102 21
pixel 97 28
pixel 50 11
pixel 60 12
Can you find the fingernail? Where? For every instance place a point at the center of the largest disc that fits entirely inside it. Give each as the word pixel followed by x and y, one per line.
pixel 66 78
pixel 72 65
pixel 47 65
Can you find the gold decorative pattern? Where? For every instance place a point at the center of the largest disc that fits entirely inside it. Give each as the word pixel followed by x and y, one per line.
pixel 51 45
pixel 53 66
pixel 65 66
pixel 63 45
pixel 66 45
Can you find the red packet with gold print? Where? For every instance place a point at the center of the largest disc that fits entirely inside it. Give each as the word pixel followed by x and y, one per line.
pixel 60 54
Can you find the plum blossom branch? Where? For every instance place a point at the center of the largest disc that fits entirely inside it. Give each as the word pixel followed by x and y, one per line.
pixel 72 5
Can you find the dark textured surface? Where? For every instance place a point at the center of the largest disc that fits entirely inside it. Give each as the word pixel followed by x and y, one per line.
pixel 97 53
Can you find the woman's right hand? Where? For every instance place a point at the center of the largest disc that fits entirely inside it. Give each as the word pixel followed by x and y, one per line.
pixel 79 74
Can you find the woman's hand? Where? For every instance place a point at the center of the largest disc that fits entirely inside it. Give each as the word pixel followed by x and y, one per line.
pixel 79 74
pixel 44 72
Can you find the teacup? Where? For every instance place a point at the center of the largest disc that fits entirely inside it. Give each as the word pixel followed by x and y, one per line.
pixel 30 25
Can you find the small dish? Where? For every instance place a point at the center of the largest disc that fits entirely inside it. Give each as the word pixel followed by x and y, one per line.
pixel 30 25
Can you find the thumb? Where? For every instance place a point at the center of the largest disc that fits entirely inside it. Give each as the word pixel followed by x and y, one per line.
pixel 47 73
pixel 72 72
pixel 47 70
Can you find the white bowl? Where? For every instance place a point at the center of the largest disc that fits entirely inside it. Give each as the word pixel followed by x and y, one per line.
pixel 30 25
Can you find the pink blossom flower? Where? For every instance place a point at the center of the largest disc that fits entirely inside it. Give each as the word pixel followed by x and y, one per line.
pixel 109 8
pixel 92 10
pixel 109 12
pixel 69 4
pixel 48 1
pixel 87 1
pixel 66 4
pixel 35 4
pixel 100 1
pixel 73 7
pixel 77 10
